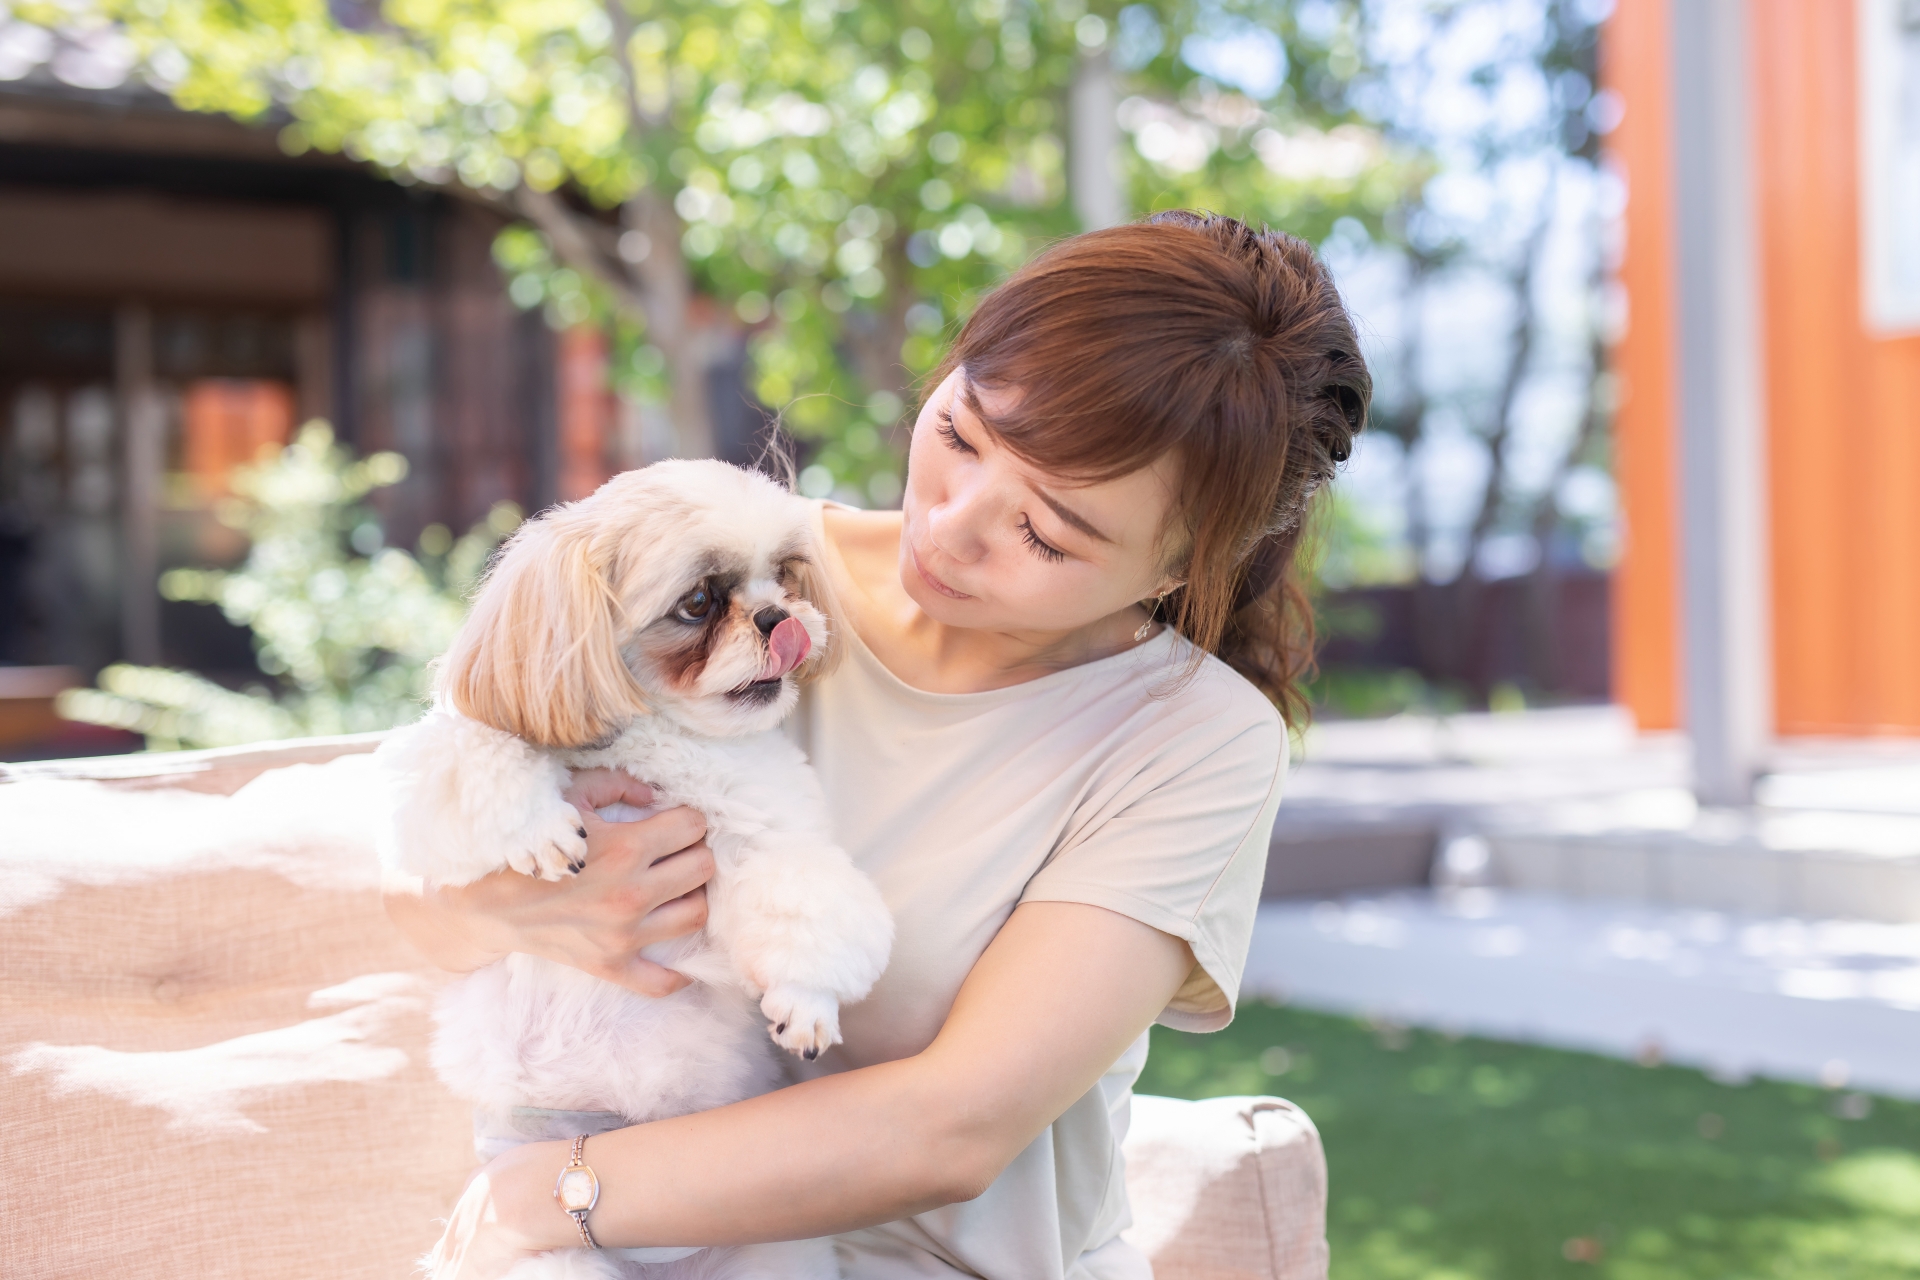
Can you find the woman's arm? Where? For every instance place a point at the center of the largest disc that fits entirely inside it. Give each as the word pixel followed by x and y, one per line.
pixel 643 883
pixel 1048 1008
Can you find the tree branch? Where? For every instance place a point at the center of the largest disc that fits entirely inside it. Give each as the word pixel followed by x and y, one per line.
pixel 639 123
pixel 1497 439
pixel 574 244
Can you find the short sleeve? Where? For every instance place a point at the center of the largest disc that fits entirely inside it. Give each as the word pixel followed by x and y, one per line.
pixel 1183 849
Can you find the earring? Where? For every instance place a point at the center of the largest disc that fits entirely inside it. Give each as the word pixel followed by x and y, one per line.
pixel 1152 612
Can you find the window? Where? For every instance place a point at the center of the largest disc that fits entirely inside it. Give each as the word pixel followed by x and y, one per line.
pixel 1889 33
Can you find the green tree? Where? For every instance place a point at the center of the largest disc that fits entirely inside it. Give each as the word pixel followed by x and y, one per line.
pixel 839 176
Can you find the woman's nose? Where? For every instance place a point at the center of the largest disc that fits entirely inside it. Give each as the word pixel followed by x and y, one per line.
pixel 955 526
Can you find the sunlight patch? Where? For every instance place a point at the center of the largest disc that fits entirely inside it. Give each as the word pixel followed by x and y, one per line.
pixel 203 1090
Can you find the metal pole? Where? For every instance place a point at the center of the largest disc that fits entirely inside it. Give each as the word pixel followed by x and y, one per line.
pixel 1727 654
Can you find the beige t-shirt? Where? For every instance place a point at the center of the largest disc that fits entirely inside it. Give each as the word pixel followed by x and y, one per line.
pixel 1108 783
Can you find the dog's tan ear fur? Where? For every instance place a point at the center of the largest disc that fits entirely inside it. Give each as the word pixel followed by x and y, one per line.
pixel 810 581
pixel 539 656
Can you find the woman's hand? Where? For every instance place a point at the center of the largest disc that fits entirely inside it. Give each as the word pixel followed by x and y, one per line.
pixel 644 882
pixel 479 1242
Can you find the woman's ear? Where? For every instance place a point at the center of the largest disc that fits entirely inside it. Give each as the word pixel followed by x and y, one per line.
pixel 807 578
pixel 539 656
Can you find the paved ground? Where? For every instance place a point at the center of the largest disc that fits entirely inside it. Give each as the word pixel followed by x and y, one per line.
pixel 1573 801
pixel 1830 1002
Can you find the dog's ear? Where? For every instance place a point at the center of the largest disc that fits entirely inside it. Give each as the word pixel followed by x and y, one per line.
pixel 807 578
pixel 539 656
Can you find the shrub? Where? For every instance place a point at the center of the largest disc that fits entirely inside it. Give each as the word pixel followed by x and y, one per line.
pixel 345 626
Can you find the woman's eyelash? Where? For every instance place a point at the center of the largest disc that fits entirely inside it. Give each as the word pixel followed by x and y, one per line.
pixel 1040 547
pixel 951 436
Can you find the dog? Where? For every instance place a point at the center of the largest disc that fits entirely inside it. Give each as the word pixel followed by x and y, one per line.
pixel 660 627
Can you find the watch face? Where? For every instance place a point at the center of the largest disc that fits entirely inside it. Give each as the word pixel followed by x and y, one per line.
pixel 577 1189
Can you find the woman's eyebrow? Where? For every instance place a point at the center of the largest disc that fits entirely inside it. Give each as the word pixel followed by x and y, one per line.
pixel 1077 521
pixel 972 400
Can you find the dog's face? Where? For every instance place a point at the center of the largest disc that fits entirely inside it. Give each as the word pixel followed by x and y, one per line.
pixel 722 655
pixel 684 589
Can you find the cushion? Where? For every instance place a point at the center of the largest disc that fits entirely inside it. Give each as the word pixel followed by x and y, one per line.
pixel 213 1047
pixel 1227 1189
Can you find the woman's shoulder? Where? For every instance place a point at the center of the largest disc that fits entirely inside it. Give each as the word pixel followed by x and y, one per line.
pixel 1197 691
pixel 853 531
pixel 858 547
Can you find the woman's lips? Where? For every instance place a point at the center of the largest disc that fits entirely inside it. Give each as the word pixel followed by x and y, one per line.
pixel 932 581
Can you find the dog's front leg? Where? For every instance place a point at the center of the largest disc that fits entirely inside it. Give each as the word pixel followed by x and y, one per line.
pixel 804 925
pixel 466 799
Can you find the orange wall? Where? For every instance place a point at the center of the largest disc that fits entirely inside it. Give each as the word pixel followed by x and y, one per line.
pixel 1843 408
pixel 1646 624
pixel 225 422
pixel 586 411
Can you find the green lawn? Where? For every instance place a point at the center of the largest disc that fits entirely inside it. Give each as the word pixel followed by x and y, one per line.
pixel 1458 1158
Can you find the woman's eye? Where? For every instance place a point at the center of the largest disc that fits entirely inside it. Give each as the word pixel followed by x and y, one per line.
pixel 694 606
pixel 1038 545
pixel 952 436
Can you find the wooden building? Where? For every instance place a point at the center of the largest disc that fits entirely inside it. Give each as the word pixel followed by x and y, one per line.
pixel 1769 437
pixel 174 292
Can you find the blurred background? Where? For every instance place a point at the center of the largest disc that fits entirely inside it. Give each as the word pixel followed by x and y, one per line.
pixel 305 304
pixel 454 235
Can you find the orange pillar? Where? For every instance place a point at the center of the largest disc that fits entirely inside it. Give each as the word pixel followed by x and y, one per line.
pixel 1636 63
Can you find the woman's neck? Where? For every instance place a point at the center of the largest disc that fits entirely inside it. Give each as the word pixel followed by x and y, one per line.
pixel 863 552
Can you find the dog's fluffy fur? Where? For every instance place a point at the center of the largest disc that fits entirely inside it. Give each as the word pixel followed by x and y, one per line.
pixel 638 630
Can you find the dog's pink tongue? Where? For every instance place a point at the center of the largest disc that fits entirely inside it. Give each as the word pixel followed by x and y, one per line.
pixel 787 648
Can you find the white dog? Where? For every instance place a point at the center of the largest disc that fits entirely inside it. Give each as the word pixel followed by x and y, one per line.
pixel 658 627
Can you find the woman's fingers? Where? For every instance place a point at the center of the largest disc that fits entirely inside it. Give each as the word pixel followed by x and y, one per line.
pixel 642 884
pixel 647 978
pixel 629 847
pixel 677 874
pixel 674 918
pixel 597 788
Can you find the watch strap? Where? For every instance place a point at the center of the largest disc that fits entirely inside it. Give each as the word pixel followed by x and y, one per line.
pixel 575 1211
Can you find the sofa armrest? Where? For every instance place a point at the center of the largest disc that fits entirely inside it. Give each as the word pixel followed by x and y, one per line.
pixel 1227 1189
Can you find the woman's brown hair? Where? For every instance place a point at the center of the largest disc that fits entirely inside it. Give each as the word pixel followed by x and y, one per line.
pixel 1198 335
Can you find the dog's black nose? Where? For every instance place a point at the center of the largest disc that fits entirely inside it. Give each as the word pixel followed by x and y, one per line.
pixel 769 618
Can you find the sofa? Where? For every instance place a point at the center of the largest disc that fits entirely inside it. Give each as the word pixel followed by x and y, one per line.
pixel 212 1047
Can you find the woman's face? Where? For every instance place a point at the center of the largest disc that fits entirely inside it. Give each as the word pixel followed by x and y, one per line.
pixel 992 542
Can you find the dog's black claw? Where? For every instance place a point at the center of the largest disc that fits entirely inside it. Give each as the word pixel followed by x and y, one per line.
pixel 781 1029
pixel 576 867
pixel 581 832
pixel 811 1054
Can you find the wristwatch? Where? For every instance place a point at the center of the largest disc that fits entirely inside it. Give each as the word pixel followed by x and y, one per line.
pixel 578 1190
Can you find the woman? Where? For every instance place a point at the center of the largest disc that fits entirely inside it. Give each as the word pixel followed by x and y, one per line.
pixel 1053 743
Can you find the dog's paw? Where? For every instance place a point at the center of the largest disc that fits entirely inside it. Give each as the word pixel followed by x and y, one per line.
pixel 804 1022
pixel 553 846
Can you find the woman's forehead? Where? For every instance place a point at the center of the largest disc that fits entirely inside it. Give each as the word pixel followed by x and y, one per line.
pixel 1130 510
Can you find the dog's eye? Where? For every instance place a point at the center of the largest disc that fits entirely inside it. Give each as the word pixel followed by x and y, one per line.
pixel 694 606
